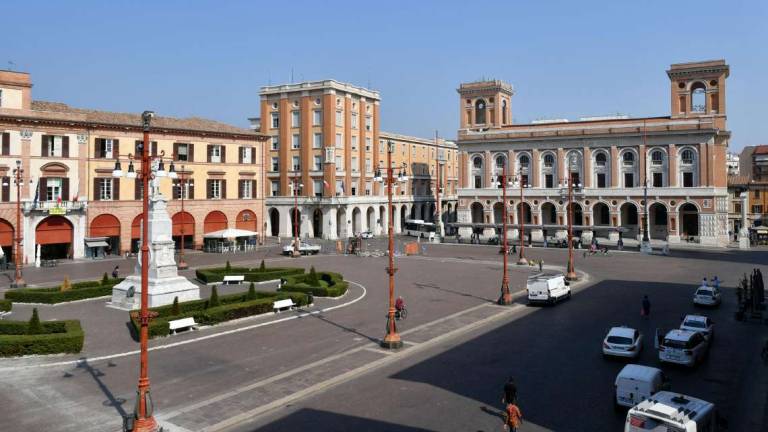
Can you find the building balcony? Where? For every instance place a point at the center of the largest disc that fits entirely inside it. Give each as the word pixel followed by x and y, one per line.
pixel 54 207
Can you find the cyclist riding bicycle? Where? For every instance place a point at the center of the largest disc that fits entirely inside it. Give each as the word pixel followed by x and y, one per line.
pixel 399 306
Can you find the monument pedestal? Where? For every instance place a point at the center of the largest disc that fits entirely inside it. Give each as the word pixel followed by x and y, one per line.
pixel 165 284
pixel 744 239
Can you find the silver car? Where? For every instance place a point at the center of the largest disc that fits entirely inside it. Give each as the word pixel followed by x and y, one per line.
pixel 707 296
pixel 623 342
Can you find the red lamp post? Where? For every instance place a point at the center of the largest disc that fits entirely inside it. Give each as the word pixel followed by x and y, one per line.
pixel 392 338
pixel 571 271
pixel 18 258
pixel 521 255
pixel 506 297
pixel 296 188
pixel 182 265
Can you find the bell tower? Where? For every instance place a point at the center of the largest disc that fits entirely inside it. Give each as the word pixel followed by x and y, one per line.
pixel 485 104
pixel 698 88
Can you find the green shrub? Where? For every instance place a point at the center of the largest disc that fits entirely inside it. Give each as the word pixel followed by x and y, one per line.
pixel 262 267
pixel 312 277
pixel 251 292
pixel 227 267
pixel 5 305
pixel 329 284
pixel 34 326
pixel 105 279
pixel 216 274
pixel 213 301
pixel 68 340
pixel 22 327
pixel 52 295
pixel 175 310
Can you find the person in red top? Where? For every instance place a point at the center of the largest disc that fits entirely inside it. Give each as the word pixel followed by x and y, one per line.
pixel 513 418
pixel 399 304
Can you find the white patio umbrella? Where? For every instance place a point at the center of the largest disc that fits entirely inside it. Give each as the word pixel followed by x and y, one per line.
pixel 230 233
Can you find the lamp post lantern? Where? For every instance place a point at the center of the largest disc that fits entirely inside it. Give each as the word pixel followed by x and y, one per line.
pixel 392 338
pixel 18 259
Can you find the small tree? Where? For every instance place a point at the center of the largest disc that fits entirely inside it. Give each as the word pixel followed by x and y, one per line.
pixel 175 309
pixel 251 292
pixel 213 301
pixel 312 278
pixel 228 267
pixel 35 327
pixel 262 267
pixel 66 285
pixel 105 279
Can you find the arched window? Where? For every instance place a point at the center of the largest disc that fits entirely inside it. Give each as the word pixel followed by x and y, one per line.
pixel 600 159
pixel 501 162
pixel 698 98
pixel 477 162
pixel 628 158
pixel 480 111
pixel 549 160
pixel 504 111
pixel 657 157
pixel 687 157
pixel 525 161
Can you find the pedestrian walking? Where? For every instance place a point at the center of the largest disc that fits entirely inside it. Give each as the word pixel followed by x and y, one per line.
pixel 704 282
pixel 513 418
pixel 510 392
pixel 514 248
pixel 116 272
pixel 645 309
pixel 716 282
pixel 541 264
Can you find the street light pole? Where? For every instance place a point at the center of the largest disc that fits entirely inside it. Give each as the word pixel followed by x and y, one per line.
pixel 521 260
pixel 183 191
pixel 296 187
pixel 505 298
pixel 571 273
pixel 19 255
pixel 645 244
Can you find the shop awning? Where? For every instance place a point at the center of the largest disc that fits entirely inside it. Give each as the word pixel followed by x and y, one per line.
pixel 93 244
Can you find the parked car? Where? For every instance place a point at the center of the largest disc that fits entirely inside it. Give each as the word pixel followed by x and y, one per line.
pixel 304 249
pixel 623 342
pixel 707 296
pixel 683 347
pixel 668 411
pixel 700 324
pixel 366 234
pixel 636 383
pixel 547 288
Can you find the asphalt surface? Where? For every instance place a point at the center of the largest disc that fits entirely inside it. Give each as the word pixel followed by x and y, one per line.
pixel 443 384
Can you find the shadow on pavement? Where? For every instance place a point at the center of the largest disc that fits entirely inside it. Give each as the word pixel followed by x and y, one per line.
pixel 96 374
pixel 346 329
pixel 448 290
pixel 314 420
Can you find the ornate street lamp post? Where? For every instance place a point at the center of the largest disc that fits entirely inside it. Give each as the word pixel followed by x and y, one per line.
pixel 571 271
pixel 144 420
pixel 645 244
pixel 296 190
pixel 521 260
pixel 182 265
pixel 392 338
pixel 18 258
pixel 505 298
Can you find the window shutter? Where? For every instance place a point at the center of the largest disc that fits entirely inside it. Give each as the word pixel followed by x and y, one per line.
pixel 115 149
pixel 191 189
pixel 44 145
pixel 6 143
pixel 209 189
pixel 96 191
pixel 223 153
pixel 43 189
pixel 210 151
pixel 175 151
pixel 191 152
pixel 65 189
pixel 6 194
pixel 137 189
pixel 240 155
pixel 254 191
pixel 240 188
pixel 98 148
pixel 136 154
pixel 65 147
pixel 253 155
pixel 115 189
pixel 223 189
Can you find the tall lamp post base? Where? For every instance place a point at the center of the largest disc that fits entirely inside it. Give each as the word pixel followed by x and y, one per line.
pixel 182 265
pixel 645 247
pixel 392 341
pixel 295 254
pixel 571 276
pixel 522 261
pixel 20 283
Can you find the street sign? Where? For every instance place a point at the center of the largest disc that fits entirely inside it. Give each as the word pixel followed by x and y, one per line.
pixel 57 211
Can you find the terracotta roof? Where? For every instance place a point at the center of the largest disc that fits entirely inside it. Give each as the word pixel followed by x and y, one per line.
pixel 738 180
pixel 761 149
pixel 61 111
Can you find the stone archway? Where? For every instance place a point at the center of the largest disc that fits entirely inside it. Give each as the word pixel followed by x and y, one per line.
pixel 477 213
pixel 498 213
pixel 548 214
pixel 341 223
pixel 689 221
pixel 183 225
pixel 6 239
pixel 601 214
pixel 215 221
pixel 54 234
pixel 370 217
pixel 657 221
pixel 578 215
pixel 526 212
pixel 274 222
pixel 629 219
pixel 107 225
pixel 357 221
pixel 403 216
pixel 246 220
pixel 317 223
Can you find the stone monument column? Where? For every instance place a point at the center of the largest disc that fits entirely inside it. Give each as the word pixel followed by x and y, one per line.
pixel 744 231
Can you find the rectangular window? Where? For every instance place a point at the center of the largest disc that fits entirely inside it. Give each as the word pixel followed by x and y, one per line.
pixel 339 118
pixel 600 180
pixel 367 188
pixel 216 154
pixel 478 182
pixel 317 140
pixel 354 190
pixel 295 141
pixel 549 181
pixel 275 142
pixel 688 179
pixel 368 123
pixel 317 117
pixel 368 165
pixel 317 162
pixel 354 142
pixel 215 189
pixel 340 187
pixel 629 180
pixel 53 189
pixel 658 179
pixel 107 148
pixel 275 164
pixel 339 141
pixel 317 186
pixel 246 189
pixel 355 166
pixel 296 163
pixel 757 193
pixel 354 121
pixel 275 120
pixel 247 155
pixel 55 146
pixel 295 119
pixel 187 189
pixel 182 152
pixel 757 209
pixel 737 208
pixel 367 144
pixel 339 164
pixel 275 188
pixel 105 189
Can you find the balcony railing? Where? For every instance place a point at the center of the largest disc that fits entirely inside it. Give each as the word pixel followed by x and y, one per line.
pixel 54 207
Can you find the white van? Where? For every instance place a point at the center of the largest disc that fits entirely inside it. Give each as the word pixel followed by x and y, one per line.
pixel 667 411
pixel 636 383
pixel 547 288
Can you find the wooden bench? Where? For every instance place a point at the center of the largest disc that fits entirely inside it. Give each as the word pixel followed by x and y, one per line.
pixel 3 314
pixel 232 279
pixel 281 304
pixel 182 323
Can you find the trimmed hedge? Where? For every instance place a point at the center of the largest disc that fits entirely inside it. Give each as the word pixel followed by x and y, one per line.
pixel 230 307
pixel 60 337
pixel 52 295
pixel 5 305
pixel 331 284
pixel 216 274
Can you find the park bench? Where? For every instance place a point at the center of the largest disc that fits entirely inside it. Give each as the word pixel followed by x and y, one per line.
pixel 188 322
pixel 281 304
pixel 232 279
pixel 3 314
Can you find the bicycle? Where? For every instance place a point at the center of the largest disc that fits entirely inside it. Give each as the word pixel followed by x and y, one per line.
pixel 401 314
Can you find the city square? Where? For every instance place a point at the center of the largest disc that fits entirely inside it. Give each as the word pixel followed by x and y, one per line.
pixel 317 236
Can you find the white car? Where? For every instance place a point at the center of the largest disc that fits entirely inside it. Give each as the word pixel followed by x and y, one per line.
pixel 366 234
pixel 707 296
pixel 699 323
pixel 623 342
pixel 683 347
pixel 304 249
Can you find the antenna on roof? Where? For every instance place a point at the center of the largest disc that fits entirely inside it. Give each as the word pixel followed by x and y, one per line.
pixel 291 74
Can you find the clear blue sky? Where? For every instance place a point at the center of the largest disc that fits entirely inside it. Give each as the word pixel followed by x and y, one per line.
pixel 565 59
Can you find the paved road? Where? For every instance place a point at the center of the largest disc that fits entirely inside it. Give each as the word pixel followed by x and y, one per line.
pixel 311 373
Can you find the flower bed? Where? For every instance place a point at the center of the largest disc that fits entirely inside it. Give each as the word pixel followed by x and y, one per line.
pixel 329 284
pixel 52 295
pixel 230 307
pixel 216 274
pixel 57 337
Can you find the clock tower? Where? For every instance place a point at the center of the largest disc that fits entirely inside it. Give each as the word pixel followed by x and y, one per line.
pixel 485 104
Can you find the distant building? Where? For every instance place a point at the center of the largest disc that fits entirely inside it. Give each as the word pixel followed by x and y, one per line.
pixel 752 180
pixel 732 163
